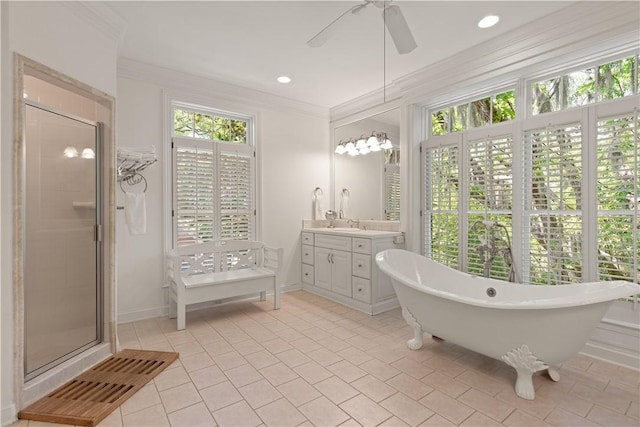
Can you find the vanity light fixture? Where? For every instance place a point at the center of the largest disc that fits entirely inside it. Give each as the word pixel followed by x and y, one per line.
pixel 88 153
pixel 70 152
pixel 362 145
pixel 488 21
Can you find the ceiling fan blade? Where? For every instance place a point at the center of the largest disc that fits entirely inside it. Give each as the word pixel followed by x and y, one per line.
pixel 327 32
pixel 399 30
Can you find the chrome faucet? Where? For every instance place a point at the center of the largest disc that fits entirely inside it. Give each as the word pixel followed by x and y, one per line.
pixel 351 221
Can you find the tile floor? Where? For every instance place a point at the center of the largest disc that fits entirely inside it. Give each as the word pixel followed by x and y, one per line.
pixel 316 362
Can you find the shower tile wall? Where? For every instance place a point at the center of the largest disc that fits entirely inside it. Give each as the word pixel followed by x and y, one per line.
pixel 60 213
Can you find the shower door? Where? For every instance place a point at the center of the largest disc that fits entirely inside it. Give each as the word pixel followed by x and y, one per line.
pixel 62 268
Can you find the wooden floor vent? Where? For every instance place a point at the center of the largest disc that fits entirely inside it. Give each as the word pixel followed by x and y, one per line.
pixel 89 398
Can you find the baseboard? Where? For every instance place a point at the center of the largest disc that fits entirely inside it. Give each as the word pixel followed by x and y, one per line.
pixel 9 415
pixel 147 313
pixel 611 355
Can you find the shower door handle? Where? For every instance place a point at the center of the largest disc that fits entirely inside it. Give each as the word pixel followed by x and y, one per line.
pixel 97 233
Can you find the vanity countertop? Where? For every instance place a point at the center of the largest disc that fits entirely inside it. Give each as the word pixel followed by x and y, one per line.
pixel 353 232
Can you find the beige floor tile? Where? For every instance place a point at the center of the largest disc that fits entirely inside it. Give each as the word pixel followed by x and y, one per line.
pixel 444 405
pixel 144 398
pixel 306 344
pixel 411 367
pixel 486 404
pixel 336 344
pixel 203 378
pixel 365 411
pixel 634 411
pixel 445 384
pixel 350 423
pixel 316 333
pixel 481 382
pixel 478 419
pixel 179 397
pixel 259 393
pixel 153 416
pixel 410 386
pixel 354 355
pixel 278 374
pixel 408 410
pixel 386 355
pixel 277 345
pixel 521 419
pixel 280 413
pixel 243 375
pixel 171 377
pixel 247 347
pixel 216 348
pixel 393 422
pixel 560 417
pixel 220 395
pixel 336 390
pixel 609 418
pixel 362 343
pixel 229 360
pixel 298 391
pixel 114 419
pixel 346 371
pixel 437 421
pixel 618 402
pixel 312 372
pixel 540 407
pixel 323 412
pixel 261 359
pixel 324 357
pixel 444 366
pixel 193 416
pixel 373 388
pixel 560 396
pixel 380 370
pixel 342 333
pixel 188 348
pixel 196 361
pixel 293 358
pixel 237 415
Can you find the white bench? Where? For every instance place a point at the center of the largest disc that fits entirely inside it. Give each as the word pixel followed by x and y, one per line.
pixel 222 269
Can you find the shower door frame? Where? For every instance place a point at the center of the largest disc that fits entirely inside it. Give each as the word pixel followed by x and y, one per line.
pixel 97 234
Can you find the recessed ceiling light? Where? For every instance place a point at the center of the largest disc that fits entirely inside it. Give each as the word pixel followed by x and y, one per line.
pixel 488 21
pixel 284 79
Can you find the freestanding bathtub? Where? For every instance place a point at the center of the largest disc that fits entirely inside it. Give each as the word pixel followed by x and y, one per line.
pixel 529 327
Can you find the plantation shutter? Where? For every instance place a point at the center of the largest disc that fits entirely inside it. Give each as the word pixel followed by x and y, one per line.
pixel 618 197
pixel 235 171
pixel 392 192
pixel 489 174
pixel 552 220
pixel 194 196
pixel 441 175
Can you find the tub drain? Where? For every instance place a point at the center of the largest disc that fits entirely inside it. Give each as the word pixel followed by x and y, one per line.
pixel 491 292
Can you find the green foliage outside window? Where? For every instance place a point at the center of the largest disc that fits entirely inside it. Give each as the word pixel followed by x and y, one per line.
pixel 198 125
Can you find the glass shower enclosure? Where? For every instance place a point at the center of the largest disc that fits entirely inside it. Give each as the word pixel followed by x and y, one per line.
pixel 62 237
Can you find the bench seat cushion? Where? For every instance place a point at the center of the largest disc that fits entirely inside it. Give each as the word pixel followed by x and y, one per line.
pixel 212 279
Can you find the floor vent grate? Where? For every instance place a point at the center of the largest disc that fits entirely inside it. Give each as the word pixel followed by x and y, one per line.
pixel 89 398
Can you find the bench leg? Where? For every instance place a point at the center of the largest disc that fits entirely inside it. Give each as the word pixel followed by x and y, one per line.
pixel 172 308
pixel 181 309
pixel 263 296
pixel 276 297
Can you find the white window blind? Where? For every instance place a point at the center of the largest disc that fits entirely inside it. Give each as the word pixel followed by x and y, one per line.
pixel 490 197
pixel 552 212
pixel 213 191
pixel 618 196
pixel 440 166
pixel 392 192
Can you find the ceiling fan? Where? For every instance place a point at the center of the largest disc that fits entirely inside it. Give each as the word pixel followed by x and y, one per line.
pixel 393 19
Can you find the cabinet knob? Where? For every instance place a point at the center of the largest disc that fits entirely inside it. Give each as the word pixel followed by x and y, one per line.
pixel 359 265
pixel 306 254
pixel 359 289
pixel 359 246
pixel 306 274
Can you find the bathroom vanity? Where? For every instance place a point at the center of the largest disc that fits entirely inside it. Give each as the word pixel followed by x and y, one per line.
pixel 339 264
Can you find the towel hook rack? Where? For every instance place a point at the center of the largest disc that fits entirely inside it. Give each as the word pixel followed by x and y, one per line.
pixel 135 179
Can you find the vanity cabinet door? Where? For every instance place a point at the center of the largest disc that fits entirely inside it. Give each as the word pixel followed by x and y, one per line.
pixel 341 266
pixel 322 268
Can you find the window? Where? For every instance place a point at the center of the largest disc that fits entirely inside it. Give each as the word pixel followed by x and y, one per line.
pixel 392 185
pixel 213 177
pixel 565 187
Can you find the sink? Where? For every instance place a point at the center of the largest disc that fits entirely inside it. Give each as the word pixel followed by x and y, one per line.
pixel 342 229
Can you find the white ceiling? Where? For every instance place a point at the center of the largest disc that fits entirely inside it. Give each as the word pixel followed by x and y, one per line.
pixel 250 43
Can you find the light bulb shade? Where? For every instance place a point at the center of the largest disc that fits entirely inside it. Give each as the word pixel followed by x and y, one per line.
pixel 88 153
pixel 372 141
pixel 386 144
pixel 364 150
pixel 70 152
pixel 340 149
pixel 353 152
pixel 361 143
pixel 350 146
pixel 375 148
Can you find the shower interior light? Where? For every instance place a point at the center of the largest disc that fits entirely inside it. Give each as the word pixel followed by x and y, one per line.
pixel 88 153
pixel 361 143
pixel 70 152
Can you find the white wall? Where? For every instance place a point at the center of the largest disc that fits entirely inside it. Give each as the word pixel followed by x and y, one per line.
pixel 62 36
pixel 292 160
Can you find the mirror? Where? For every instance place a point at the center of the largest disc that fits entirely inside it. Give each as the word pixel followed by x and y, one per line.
pixel 367 186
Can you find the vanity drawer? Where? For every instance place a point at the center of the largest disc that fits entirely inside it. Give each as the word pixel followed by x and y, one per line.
pixel 361 289
pixel 307 238
pixel 307 254
pixel 307 274
pixel 362 246
pixel 342 243
pixel 361 265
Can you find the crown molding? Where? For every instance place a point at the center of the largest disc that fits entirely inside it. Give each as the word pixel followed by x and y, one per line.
pixel 575 33
pixel 99 16
pixel 376 100
pixel 177 80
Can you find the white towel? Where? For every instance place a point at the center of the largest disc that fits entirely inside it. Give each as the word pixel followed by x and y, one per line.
pixel 344 205
pixel 135 211
pixel 318 213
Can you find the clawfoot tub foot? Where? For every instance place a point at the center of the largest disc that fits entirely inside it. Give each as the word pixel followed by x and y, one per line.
pixel 416 342
pixel 525 364
pixel 553 374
